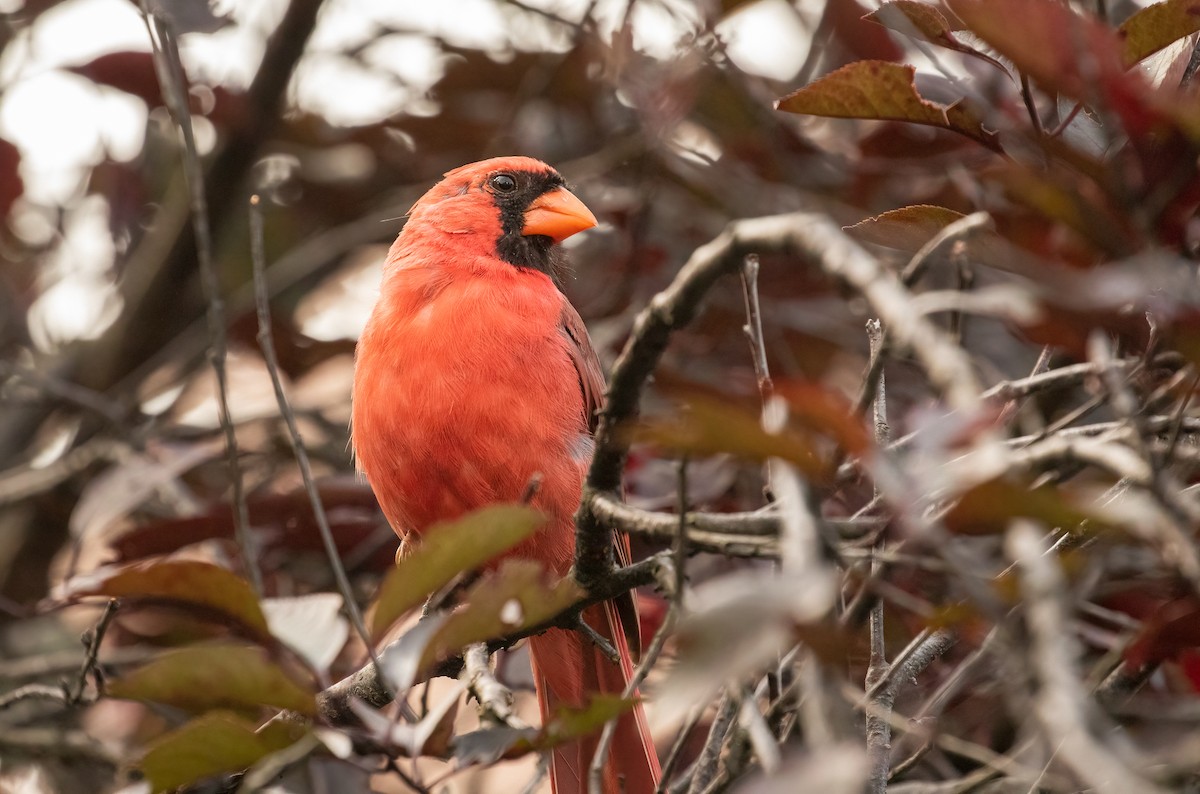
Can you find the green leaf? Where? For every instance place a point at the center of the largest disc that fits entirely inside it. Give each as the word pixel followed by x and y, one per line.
pixel 188 584
pixel 518 595
pixel 447 550
pixel 1157 26
pixel 221 675
pixel 570 723
pixel 214 744
pixel 879 90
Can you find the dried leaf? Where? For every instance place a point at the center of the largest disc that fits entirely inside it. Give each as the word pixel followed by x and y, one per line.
pixel 1157 26
pixel 712 425
pixel 210 745
pixel 199 587
pixel 880 90
pixel 447 550
pixel 11 185
pixel 429 736
pixel 932 22
pixel 906 229
pixel 120 489
pixel 218 676
pixel 312 625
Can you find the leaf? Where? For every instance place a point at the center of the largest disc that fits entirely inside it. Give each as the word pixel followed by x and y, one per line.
pixel 933 23
pixel 1173 628
pixel 825 412
pixel 879 90
pixel 128 71
pixel 11 185
pixel 429 736
pixel 219 676
pixel 571 723
pixel 311 625
pixel 488 746
pixel 447 550
pixel 518 595
pixel 211 745
pixel 711 425
pixel 1068 53
pixel 188 584
pixel 1157 26
pixel 119 489
pixel 907 228
pixel 284 522
pixel 988 509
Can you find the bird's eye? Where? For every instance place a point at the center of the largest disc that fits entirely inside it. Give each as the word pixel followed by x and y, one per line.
pixel 503 183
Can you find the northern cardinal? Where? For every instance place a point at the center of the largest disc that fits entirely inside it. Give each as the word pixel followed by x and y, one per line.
pixel 475 376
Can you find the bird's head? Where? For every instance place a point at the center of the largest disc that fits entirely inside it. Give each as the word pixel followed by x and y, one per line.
pixel 515 208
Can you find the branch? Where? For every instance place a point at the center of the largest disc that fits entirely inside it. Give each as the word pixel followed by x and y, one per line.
pixel 170 78
pixel 1061 704
pixel 812 238
pixel 267 343
pixel 333 704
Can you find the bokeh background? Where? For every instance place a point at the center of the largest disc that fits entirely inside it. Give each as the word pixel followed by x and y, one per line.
pixel 339 114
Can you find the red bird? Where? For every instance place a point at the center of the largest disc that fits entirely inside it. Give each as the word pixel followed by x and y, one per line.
pixel 474 375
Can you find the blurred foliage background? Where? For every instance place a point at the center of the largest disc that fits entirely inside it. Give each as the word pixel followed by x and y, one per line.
pixel 661 114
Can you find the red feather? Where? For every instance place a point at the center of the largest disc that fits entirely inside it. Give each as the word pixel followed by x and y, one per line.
pixel 473 375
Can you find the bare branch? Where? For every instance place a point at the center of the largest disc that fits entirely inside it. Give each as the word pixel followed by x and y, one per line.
pixel 1063 709
pixel 170 78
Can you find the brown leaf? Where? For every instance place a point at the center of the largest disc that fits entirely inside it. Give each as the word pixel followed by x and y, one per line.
pixel 200 587
pixel 882 91
pixel 907 228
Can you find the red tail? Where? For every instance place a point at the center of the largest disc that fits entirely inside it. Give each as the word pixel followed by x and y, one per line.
pixel 567 667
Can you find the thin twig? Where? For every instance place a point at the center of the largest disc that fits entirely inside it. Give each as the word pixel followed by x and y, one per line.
pixel 170 77
pixel 812 238
pixel 650 657
pixel 267 343
pixel 879 735
pixel 1068 720
pixel 705 768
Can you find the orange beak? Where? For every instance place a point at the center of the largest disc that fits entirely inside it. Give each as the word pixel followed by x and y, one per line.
pixel 557 215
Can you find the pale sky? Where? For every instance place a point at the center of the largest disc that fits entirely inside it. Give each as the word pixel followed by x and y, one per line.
pixel 64 124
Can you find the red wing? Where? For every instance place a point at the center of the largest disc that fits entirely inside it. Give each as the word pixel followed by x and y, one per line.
pixel 591 383
pixel 587 366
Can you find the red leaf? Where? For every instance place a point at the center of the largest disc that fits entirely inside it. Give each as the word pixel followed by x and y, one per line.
pixel 11 186
pixel 1174 627
pixel 1066 52
pixel 131 72
pixel 863 40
